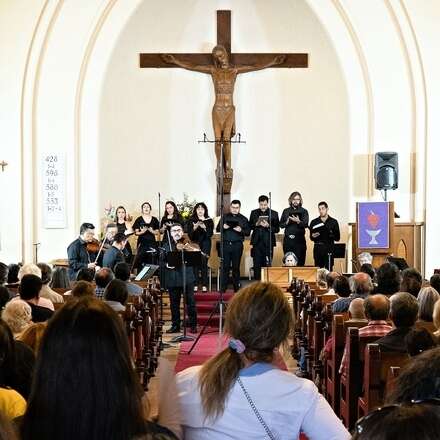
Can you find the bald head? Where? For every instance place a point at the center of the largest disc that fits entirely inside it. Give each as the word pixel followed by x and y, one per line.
pixel 356 309
pixel 377 307
pixel 361 284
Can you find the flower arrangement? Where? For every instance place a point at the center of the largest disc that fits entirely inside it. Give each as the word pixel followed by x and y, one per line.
pixel 186 207
pixel 110 212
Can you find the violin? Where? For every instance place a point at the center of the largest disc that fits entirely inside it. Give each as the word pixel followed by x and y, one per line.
pixel 93 246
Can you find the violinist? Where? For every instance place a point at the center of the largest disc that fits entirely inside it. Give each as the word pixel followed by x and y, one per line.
pixel 82 252
pixel 174 280
pixel 146 227
pixel 170 217
pixel 123 223
pixel 200 229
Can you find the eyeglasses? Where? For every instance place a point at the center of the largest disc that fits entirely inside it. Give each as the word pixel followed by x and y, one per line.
pixel 358 427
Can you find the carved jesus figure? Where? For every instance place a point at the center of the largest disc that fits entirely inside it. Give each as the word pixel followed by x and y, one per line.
pixel 223 76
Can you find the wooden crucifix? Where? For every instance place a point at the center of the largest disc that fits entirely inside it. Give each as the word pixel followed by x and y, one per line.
pixel 223 66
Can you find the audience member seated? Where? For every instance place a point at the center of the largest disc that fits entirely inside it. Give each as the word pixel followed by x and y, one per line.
pixel 102 278
pixel 13 273
pixel 46 291
pixel 4 297
pixel 33 269
pixel 365 258
pixel 410 420
pixel 16 363
pixel 377 310
pixel 436 321
pixel 411 281
pixel 426 298
pixel 122 272
pixel 18 315
pixel 29 289
pixel 388 279
pixel 403 313
pixel 290 259
pixel 321 277
pixel 360 285
pixel 419 340
pixel 434 281
pixel 83 288
pixel 369 270
pixel 60 278
pixel 85 274
pixel 341 287
pixel 32 336
pixel 240 393
pixel 330 279
pixel 84 385
pixel 419 379
pixel 116 294
pixel 3 274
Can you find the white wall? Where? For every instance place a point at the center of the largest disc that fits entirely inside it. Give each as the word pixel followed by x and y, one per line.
pixel 72 84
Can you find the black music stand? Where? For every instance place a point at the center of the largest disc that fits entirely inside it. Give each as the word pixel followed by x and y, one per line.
pixel 339 250
pixel 183 259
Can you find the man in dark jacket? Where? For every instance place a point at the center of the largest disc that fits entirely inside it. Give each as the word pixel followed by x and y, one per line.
pixel 114 255
pixel 235 229
pixel 79 257
pixel 264 223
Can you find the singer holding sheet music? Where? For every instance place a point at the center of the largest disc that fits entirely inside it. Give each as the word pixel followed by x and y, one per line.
pixel 235 229
pixel 264 223
pixel 324 231
pixel 295 220
pixel 200 229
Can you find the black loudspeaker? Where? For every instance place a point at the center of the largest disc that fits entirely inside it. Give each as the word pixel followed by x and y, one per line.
pixel 386 170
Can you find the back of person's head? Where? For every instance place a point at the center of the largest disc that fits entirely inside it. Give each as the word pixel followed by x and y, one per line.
pixel 377 307
pixel 29 269
pixel 361 284
pixel 46 272
pixel 84 355
pixel 356 309
pixel 4 296
pixel 30 286
pixel 83 288
pixel 434 281
pixel 258 320
pixel 103 276
pixel 330 278
pixel 403 309
pixel 411 281
pixel 116 291
pixel 418 379
pixel 33 335
pixel 436 315
pixel 4 270
pixel 60 278
pixel 13 273
pixel 119 238
pixel 368 269
pixel 85 274
pixel 18 315
pixel 321 277
pixel 341 286
pixel 408 421
pixel 365 258
pixel 7 353
pixel 388 279
pixel 122 271
pixel 427 297
pixel 418 340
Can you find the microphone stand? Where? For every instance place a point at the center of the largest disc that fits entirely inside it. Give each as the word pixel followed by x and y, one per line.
pixel 270 229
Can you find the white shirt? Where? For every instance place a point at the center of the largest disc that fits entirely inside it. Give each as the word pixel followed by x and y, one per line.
pixel 287 404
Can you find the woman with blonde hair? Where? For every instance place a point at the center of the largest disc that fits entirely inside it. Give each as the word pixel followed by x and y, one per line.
pixel 240 393
pixel 18 315
pixel 33 335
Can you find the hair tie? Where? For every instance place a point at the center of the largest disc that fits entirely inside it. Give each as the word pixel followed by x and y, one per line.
pixel 237 345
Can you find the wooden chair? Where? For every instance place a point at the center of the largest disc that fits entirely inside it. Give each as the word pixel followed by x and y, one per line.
pixel 377 366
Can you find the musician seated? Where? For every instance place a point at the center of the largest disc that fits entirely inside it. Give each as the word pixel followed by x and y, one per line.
pixel 122 272
pixel 114 255
pixel 290 259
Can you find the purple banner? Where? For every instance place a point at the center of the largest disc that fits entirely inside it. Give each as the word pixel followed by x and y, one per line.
pixel 373 225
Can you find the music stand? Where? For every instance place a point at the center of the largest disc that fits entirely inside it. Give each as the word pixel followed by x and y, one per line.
pixel 339 250
pixel 147 272
pixel 399 262
pixel 183 259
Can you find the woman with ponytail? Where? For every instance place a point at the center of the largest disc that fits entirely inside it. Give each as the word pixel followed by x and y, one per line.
pixel 240 393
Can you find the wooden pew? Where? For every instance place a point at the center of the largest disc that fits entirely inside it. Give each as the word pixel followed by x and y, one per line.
pixel 377 366
pixel 351 382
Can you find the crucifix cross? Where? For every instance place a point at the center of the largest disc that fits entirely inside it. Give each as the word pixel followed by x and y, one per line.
pixel 3 164
pixel 223 66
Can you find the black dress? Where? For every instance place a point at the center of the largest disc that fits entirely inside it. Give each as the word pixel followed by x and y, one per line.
pixel 127 251
pixel 147 244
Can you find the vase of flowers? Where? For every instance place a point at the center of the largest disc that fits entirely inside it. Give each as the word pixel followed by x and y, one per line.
pixel 186 207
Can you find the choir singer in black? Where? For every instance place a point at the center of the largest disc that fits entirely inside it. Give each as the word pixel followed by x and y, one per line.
pixel 324 231
pixel 295 220
pixel 264 223
pixel 235 229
